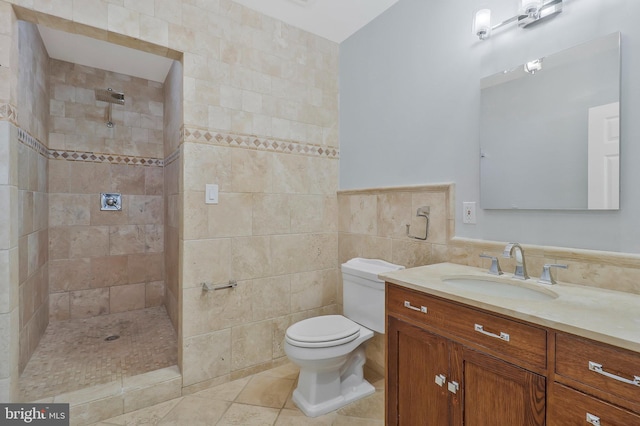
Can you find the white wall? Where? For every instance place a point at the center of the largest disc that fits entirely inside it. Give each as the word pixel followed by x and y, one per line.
pixel 409 109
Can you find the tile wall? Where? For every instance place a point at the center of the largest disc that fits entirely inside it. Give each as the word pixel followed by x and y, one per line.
pixel 104 261
pixel 260 119
pixel 172 167
pixel 33 228
pixel 372 224
pixel 9 221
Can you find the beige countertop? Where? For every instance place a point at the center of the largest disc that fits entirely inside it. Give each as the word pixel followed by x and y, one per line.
pixel 607 316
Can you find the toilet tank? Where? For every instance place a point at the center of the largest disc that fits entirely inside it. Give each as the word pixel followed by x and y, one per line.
pixel 363 291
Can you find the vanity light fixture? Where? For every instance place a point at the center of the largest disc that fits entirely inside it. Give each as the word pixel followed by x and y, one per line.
pixel 533 66
pixel 530 12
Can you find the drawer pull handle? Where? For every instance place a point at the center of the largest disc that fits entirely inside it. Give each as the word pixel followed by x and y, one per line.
pixel 480 329
pixel 594 366
pixel 594 420
pixel 422 309
pixel 441 379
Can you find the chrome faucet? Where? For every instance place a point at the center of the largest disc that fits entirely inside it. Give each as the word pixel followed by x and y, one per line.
pixel 521 268
pixel 546 277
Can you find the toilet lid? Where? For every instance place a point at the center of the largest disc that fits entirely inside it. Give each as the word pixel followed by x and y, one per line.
pixel 323 331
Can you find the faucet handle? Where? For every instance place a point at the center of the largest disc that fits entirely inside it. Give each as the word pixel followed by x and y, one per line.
pixel 546 277
pixel 495 265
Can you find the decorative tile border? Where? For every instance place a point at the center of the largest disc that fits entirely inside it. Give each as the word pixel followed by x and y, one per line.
pixel 9 113
pixel 33 143
pixel 91 157
pixel 255 142
pixel 172 157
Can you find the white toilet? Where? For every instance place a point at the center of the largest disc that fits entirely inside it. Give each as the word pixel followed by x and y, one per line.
pixel 330 349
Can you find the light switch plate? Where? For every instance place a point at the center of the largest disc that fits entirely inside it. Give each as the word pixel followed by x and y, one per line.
pixel 211 194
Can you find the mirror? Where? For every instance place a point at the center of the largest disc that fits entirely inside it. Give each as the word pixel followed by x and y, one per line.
pixel 549 131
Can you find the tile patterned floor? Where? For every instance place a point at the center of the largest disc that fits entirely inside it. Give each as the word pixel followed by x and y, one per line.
pixel 261 399
pixel 73 354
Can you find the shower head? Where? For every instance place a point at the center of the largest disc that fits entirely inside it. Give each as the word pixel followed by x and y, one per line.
pixel 110 96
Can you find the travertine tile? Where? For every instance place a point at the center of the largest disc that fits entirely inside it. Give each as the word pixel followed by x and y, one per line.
pixel 207 311
pixel 291 174
pixel 251 257
pixel 315 289
pixel 69 275
pixel 265 391
pixel 252 171
pixel 126 239
pixel 190 410
pixel 89 303
pixel 250 344
pixel 145 209
pixel 59 308
pixel 225 392
pixel 271 297
pixel 411 253
pixel 394 212
pixel 271 214
pixel 128 297
pixel 108 271
pixel 231 217
pixel 310 213
pixel 360 215
pixel 248 415
pixel 294 417
pixel 151 388
pixel 149 415
pixel 83 359
pixel 69 210
pixel 154 294
pixel 207 261
pixel 206 356
pixel 303 252
pixel 145 267
pixel 88 241
pixel 208 164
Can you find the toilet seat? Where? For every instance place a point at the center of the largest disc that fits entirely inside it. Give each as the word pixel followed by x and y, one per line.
pixel 322 332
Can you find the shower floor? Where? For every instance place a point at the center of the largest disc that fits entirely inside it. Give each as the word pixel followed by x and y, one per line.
pixel 74 354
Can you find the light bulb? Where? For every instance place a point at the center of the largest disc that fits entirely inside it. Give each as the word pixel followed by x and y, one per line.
pixel 531 7
pixel 482 24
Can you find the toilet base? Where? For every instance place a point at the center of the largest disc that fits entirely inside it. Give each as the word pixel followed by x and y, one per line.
pixel 347 396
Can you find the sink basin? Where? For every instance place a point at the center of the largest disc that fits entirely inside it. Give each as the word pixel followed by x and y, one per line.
pixel 506 289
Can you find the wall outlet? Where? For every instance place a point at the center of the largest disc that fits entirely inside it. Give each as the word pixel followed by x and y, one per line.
pixel 469 212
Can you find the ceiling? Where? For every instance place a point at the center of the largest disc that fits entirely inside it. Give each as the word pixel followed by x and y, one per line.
pixel 334 20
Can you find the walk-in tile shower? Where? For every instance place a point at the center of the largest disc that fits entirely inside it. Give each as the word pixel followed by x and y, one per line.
pixel 92 257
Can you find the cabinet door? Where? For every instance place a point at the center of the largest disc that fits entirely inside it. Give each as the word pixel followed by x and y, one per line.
pixel 499 393
pixel 415 358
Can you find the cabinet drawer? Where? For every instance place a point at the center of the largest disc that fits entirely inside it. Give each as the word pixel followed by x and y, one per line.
pixel 510 338
pixel 604 367
pixel 569 407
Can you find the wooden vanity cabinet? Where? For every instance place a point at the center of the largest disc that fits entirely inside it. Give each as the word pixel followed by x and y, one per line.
pixel 450 364
pixel 442 370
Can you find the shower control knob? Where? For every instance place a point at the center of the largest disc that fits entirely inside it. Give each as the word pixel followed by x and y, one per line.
pixel 111 201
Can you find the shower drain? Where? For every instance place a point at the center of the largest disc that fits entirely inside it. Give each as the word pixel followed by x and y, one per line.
pixel 114 337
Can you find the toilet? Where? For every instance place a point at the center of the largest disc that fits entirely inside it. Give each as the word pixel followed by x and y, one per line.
pixel 330 349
